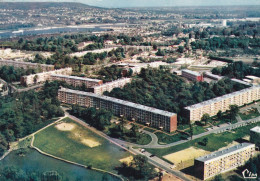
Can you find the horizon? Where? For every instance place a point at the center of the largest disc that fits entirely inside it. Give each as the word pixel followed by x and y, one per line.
pixel 153 3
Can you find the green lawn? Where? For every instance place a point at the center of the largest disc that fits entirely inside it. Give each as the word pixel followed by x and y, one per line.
pixel 215 141
pixel 68 145
pixel 144 139
pixel 166 139
pixel 250 115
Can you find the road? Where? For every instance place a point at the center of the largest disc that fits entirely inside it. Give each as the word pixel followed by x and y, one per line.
pixel 215 129
pixel 154 160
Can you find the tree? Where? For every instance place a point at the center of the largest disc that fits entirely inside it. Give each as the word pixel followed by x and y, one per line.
pixel 205 118
pixel 219 114
pixel 218 178
pixel 233 111
pixel 205 141
pixel 160 52
pixel 191 131
pixel 180 49
pixel 155 46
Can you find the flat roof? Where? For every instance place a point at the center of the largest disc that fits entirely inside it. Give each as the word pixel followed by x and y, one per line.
pixel 119 101
pixel 191 72
pixel 224 152
pixel 26 63
pixel 112 82
pixel 213 75
pixel 252 77
pixel 218 99
pixel 241 82
pixel 256 129
pixel 76 78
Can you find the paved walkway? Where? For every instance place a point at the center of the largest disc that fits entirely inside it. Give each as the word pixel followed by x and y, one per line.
pixel 155 161
pixel 154 138
pixel 21 139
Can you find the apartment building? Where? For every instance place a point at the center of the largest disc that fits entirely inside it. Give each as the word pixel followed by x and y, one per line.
pixel 222 103
pixel 109 86
pixel 213 76
pixel 26 65
pixel 255 136
pixel 42 77
pixel 222 161
pixel 136 112
pixel 77 81
pixel 192 75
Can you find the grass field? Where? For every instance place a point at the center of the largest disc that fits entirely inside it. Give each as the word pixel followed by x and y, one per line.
pixel 166 139
pixel 73 142
pixel 185 158
pixel 249 115
pixel 215 141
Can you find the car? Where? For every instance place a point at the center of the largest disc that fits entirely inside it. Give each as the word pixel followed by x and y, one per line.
pixel 152 155
pixel 142 150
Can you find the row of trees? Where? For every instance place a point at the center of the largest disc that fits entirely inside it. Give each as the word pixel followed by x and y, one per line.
pixel 237 70
pixel 138 169
pixel 11 74
pixel 96 118
pixel 13 173
pixel 69 43
pixel 61 60
pixel 101 119
pixel 24 113
pixel 163 90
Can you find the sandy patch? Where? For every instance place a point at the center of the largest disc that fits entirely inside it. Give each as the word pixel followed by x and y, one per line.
pixel 65 126
pixel 127 160
pixel 185 155
pixel 90 143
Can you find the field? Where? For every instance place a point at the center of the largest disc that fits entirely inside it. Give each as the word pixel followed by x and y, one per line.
pixel 249 114
pixel 71 141
pixel 185 158
pixel 215 141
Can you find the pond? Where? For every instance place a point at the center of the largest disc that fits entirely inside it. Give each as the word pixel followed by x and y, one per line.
pixel 34 161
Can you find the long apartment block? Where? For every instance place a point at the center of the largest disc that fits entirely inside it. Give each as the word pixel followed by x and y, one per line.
pixel 222 103
pixel 77 81
pixel 136 112
pixel 192 75
pixel 26 65
pixel 109 86
pixel 222 161
pixel 42 77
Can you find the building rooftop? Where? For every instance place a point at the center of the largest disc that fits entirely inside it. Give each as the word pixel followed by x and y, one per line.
pixel 119 101
pixel 25 63
pixel 108 83
pixel 252 77
pixel 191 72
pixel 218 99
pixel 241 82
pixel 76 78
pixel 213 75
pixel 256 129
pixel 224 152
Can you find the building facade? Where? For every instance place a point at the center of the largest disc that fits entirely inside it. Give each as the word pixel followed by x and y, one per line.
pixel 77 81
pixel 109 86
pixel 192 75
pixel 255 136
pixel 136 112
pixel 222 161
pixel 222 103
pixel 42 77
pixel 26 65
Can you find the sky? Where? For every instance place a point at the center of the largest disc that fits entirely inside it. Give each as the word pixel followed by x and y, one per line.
pixel 159 3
